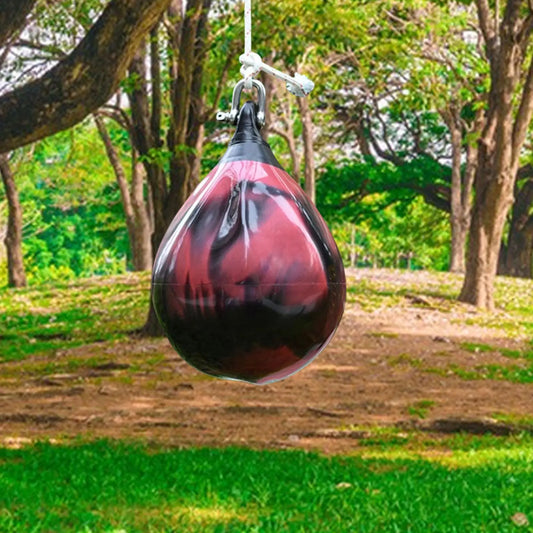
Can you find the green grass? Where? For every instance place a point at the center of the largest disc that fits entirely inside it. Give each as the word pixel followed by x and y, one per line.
pixel 506 352
pixel 519 421
pixel 477 347
pixel 405 359
pixel 514 298
pixel 47 319
pixel 514 373
pixel 421 408
pixel 373 294
pixel 393 441
pixel 511 373
pixel 105 487
pixel 395 481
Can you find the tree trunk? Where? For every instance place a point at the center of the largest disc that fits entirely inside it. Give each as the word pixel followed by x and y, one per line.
pixel 293 151
pixel 289 136
pixel 309 151
pixel 149 201
pixel 137 221
pixel 485 240
pixel 509 114
pixel 457 259
pixel 146 140
pixel 147 144
pixel 290 139
pixel 472 154
pixel 186 130
pixel 270 89
pixel 185 135
pixel 517 261
pixel 461 184
pixel 13 239
pixel 142 249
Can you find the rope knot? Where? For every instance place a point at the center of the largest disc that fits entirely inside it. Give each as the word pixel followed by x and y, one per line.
pixel 251 66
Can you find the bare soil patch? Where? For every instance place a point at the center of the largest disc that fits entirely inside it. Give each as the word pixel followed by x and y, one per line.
pixel 380 364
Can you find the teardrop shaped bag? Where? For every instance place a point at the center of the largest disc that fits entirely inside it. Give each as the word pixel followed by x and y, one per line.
pixel 248 282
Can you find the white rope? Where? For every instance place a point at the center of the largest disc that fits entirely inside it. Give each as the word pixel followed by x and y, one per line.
pixel 248 72
pixel 252 63
pixel 247 26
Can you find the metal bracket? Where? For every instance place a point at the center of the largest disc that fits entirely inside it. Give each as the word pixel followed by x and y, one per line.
pixel 252 64
pixel 232 116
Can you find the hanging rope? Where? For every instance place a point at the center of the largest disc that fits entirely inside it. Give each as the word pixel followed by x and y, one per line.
pixel 252 63
pixel 247 26
pixel 248 72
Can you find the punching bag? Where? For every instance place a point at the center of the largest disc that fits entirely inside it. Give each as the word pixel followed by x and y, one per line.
pixel 248 282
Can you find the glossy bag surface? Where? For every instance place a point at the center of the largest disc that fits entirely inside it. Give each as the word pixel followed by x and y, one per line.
pixel 248 282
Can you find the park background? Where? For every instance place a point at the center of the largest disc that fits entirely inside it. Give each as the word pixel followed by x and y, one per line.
pixel 415 146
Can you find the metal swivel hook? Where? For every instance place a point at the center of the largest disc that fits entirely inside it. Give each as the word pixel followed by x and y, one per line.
pixel 232 116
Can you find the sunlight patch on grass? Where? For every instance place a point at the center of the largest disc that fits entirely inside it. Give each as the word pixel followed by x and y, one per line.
pixel 207 515
pixel 459 458
pixel 186 517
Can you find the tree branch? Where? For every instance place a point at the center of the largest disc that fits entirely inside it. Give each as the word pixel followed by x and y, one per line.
pixel 487 25
pixel 118 115
pixel 220 87
pixel 82 82
pixel 13 15
pixel 511 16
pixel 387 155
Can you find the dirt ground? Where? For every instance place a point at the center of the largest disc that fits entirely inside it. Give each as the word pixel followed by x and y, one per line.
pixel 379 365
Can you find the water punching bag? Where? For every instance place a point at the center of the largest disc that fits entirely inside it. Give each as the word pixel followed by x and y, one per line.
pixel 248 282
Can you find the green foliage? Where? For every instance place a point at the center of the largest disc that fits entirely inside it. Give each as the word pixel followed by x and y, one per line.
pixel 378 217
pixel 107 486
pixel 211 156
pixel 73 217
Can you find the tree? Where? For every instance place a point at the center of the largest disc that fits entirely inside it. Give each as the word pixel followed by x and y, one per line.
pixel 422 63
pixel 310 33
pixel 309 150
pixel 169 108
pixel 377 207
pixel 516 255
pixel 508 115
pixel 81 82
pixel 284 127
pixel 13 239
pixel 135 211
pixel 462 179
pixel 72 211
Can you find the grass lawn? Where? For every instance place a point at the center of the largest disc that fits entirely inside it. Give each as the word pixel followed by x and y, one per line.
pixel 397 482
pixel 483 485
pixel 47 318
